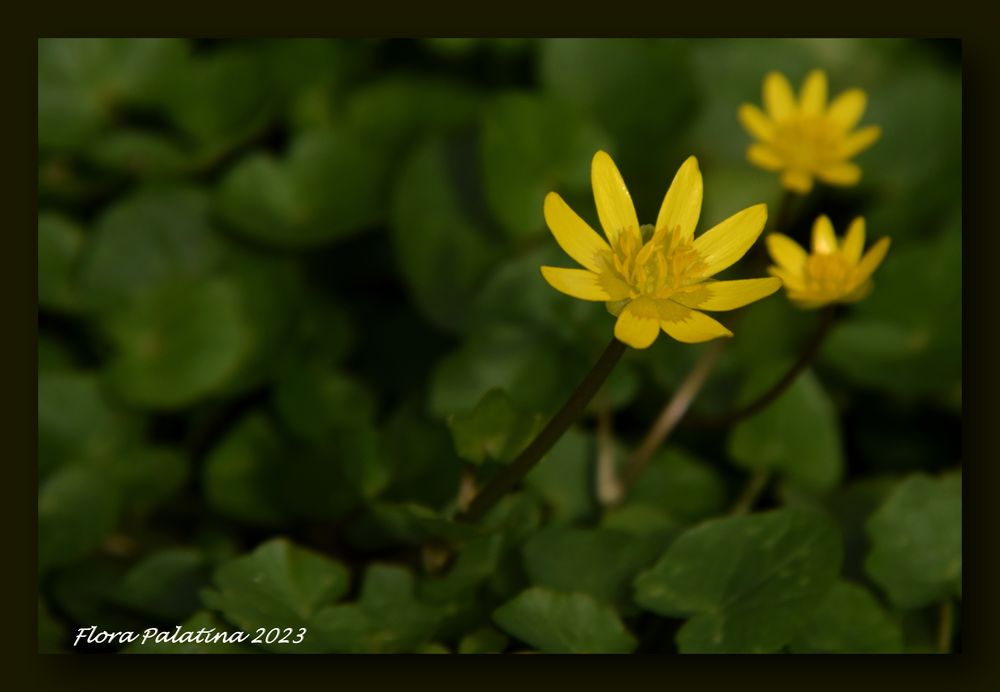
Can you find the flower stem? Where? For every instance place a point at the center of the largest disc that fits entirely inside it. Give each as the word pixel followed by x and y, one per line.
pixel 778 388
pixel 751 491
pixel 672 413
pixel 510 474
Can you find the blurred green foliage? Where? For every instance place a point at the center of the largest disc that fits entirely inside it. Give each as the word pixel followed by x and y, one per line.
pixel 289 307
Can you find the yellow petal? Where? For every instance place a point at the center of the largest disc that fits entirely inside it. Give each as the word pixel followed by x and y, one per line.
pixel 682 203
pixel 755 122
pixel 614 204
pixel 869 263
pixel 691 326
pixel 797 181
pixel 638 324
pixel 722 245
pixel 845 173
pixel 808 301
pixel 778 97
pixel 854 241
pixel 788 254
pixel 860 140
pixel 764 157
pixel 812 98
pixel 579 283
pixel 847 109
pixel 824 240
pixel 792 281
pixel 575 237
pixel 726 295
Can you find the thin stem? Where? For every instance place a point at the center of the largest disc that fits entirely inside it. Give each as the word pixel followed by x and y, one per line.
pixel 946 626
pixel 751 492
pixel 778 388
pixel 672 413
pixel 609 487
pixel 510 474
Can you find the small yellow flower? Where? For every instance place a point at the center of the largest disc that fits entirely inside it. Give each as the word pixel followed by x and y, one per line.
pixel 807 139
pixel 834 272
pixel 654 277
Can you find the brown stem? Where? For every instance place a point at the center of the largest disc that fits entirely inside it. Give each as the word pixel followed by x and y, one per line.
pixel 946 626
pixel 672 413
pixel 751 491
pixel 510 474
pixel 609 489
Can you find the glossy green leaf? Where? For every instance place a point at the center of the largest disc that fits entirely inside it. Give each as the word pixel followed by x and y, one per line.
pixel 493 430
pixel 849 620
pixel 564 623
pixel 76 511
pixel 599 562
pixel 59 244
pixel 798 434
pixel 278 585
pixel 179 344
pixel 431 227
pixel 747 584
pixel 386 619
pixel 916 537
pixel 531 146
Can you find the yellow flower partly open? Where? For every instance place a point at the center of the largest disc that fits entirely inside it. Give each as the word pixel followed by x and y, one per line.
pixel 834 272
pixel 806 138
pixel 655 277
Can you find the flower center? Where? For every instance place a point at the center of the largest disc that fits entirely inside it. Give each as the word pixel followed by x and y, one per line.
pixel 806 141
pixel 658 268
pixel 827 272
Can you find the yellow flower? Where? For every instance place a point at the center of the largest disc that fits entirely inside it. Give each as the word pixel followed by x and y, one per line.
pixel 807 139
pixel 834 272
pixel 655 277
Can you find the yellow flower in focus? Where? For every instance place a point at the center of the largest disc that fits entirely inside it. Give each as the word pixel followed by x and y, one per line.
pixel 655 277
pixel 807 138
pixel 834 272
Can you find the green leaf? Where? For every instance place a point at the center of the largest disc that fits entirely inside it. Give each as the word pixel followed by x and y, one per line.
pixel 178 345
pixel 316 401
pixel 431 227
pixel 240 472
pixel 493 430
pixel 530 146
pixel 747 583
pixel 59 244
pixel 564 623
pixel 483 641
pixel 83 81
pixel 686 487
pixel 218 99
pixel 164 585
pixel 604 77
pixel 278 585
pixel 599 562
pixel 144 241
pixel 329 187
pixel 797 435
pixel 564 478
pixel 849 620
pixel 530 367
pixel 906 337
pixel 386 619
pixel 77 508
pixel 76 421
pixel 138 153
pixel 916 538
